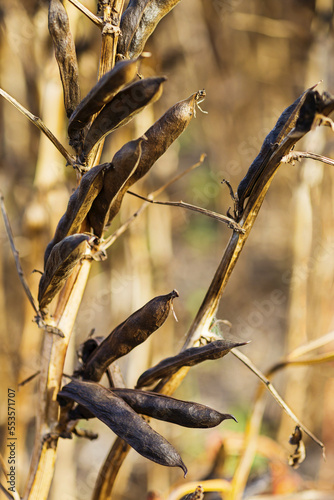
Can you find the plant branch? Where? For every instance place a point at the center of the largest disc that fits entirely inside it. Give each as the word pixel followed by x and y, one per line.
pixel 41 126
pixel 298 155
pixel 253 425
pixel 116 234
pixel 222 218
pixel 16 256
pixel 246 361
pixel 96 20
pixel 54 349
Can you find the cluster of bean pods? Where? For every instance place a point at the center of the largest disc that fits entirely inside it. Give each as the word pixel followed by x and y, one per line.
pixel 115 99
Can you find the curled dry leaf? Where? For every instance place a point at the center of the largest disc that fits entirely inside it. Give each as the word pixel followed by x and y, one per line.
pixel 65 54
pixel 102 93
pixel 124 163
pixel 161 407
pixel 126 336
pixel 138 22
pixel 157 140
pixel 299 455
pixel 123 421
pixel 63 258
pixel 297 119
pixel 79 205
pixel 189 357
pixel 121 109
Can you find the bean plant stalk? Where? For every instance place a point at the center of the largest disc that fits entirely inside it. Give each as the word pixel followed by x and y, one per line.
pixel 55 348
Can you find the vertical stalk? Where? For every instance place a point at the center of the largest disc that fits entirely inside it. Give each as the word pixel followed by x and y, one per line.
pixel 55 348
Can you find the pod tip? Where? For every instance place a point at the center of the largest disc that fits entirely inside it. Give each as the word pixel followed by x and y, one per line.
pixel 184 468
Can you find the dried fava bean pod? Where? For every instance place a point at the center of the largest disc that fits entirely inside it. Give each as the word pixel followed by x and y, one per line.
pixel 190 357
pixel 299 117
pixel 138 22
pixel 121 109
pixel 79 205
pixel 161 407
pixel 102 93
pixel 61 262
pixel 157 140
pixel 123 421
pixel 65 54
pixel 126 336
pixel 123 163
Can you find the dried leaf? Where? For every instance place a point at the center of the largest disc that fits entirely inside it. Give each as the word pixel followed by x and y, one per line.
pixel 189 357
pixel 121 109
pixel 102 93
pixel 61 262
pixel 124 163
pixel 65 54
pixel 79 205
pixel 138 22
pixel 157 140
pixel 299 455
pixel 126 336
pixel 123 421
pixel 161 407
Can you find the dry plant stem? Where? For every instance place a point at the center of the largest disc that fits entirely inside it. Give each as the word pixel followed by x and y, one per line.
pixel 54 349
pixel 244 359
pixel 28 379
pixel 96 20
pixel 316 360
pixel 310 346
pixel 53 357
pixel 245 462
pixel 251 434
pixel 222 218
pixel 16 255
pixel 15 495
pixel 109 471
pixel 116 234
pixel 298 155
pixel 110 33
pixel 41 126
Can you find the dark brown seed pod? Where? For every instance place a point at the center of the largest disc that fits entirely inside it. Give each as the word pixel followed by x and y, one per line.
pixel 190 357
pixel 79 205
pixel 121 109
pixel 126 336
pixel 123 421
pixel 161 407
pixel 65 54
pixel 298 116
pixel 124 163
pixel 138 22
pixel 61 262
pixel 157 140
pixel 102 93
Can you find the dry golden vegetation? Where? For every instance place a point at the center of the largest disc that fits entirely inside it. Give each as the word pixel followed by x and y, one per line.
pixel 104 110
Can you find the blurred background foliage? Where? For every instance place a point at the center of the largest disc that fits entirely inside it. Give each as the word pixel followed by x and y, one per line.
pixel 253 58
